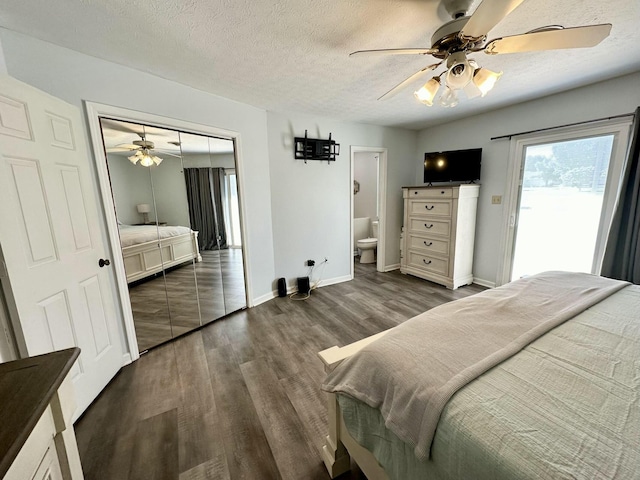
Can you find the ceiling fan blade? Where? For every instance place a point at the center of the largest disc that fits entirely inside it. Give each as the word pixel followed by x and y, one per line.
pixel 395 51
pixel 409 80
pixel 577 37
pixel 488 14
pixel 160 151
pixel 119 149
pixel 128 146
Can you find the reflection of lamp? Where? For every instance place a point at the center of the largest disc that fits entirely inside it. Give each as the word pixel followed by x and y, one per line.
pixel 144 209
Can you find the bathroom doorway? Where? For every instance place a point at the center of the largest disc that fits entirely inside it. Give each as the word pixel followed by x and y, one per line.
pixel 368 208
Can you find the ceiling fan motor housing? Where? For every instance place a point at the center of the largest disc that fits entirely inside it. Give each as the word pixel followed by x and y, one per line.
pixel 446 39
pixel 144 144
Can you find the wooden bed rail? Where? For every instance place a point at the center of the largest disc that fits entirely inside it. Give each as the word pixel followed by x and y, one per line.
pixel 334 355
pixel 339 445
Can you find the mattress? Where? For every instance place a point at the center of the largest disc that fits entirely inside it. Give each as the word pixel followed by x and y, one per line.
pixel 567 406
pixel 137 234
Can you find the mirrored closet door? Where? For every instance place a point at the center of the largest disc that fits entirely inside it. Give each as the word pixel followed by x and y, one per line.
pixel 175 195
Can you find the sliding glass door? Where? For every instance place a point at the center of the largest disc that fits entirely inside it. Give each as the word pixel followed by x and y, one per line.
pixel 567 185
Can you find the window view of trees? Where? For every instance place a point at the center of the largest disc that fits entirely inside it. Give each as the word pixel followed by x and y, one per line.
pixel 560 205
pixel 579 163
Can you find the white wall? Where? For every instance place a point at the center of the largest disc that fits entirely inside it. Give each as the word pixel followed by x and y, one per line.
pixel 3 64
pixel 613 97
pixel 311 202
pixel 365 171
pixel 170 192
pixel 75 77
pixel 130 185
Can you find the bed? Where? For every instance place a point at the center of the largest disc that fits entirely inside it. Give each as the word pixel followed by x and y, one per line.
pixel 145 255
pixel 561 402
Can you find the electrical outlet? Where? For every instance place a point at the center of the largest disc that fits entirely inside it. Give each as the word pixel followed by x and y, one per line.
pixel 311 263
pixel 496 199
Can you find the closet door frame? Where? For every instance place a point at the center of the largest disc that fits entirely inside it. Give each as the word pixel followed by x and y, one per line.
pixel 96 110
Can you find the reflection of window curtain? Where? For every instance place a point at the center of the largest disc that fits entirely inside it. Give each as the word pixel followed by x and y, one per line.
pixel 217 176
pixel 203 197
pixel 622 255
pixel 201 211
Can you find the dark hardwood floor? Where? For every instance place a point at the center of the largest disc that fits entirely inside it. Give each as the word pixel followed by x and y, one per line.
pixel 240 398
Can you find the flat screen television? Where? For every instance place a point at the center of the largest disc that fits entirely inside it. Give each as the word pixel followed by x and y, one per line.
pixel 452 166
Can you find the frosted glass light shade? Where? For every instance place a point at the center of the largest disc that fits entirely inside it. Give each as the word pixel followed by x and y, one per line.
pixel 427 92
pixel 485 80
pixel 145 158
pixel 449 98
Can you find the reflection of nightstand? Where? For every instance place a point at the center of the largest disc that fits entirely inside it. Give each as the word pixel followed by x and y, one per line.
pixel 161 224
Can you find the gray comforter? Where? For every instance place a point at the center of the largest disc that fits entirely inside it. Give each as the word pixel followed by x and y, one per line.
pixel 447 347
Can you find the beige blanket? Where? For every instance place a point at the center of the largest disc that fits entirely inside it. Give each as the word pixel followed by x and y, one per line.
pixel 445 348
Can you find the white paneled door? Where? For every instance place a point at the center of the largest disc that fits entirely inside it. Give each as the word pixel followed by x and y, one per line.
pixel 50 236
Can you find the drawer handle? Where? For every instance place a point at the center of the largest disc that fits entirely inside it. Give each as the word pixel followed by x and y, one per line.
pixel 442 192
pixel 415 192
pixel 428 226
pixel 429 208
pixel 427 244
pixel 425 262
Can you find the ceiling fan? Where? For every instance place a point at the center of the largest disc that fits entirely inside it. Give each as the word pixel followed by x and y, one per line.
pixel 143 151
pixel 465 35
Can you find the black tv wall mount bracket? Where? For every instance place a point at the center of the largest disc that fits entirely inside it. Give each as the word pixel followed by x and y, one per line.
pixel 316 149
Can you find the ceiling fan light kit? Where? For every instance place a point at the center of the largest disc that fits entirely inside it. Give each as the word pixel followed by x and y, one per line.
pixel 428 91
pixel 145 158
pixel 465 35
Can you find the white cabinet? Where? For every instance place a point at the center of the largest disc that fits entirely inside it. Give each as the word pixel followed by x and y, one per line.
pixel 438 233
pixel 37 402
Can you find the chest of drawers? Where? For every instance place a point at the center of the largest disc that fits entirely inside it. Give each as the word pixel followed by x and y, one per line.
pixel 438 233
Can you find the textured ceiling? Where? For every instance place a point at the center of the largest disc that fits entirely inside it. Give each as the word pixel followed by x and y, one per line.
pixel 292 55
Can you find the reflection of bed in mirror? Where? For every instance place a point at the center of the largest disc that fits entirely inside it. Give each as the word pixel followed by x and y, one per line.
pixel 141 254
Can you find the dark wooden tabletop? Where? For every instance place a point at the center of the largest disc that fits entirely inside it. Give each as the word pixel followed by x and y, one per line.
pixel 26 388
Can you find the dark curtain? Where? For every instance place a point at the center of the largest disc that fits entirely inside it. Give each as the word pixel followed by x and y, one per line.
pixel 217 176
pixel 205 209
pixel 622 254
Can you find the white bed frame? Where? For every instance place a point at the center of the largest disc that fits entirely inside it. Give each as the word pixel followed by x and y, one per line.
pixel 340 446
pixel 145 259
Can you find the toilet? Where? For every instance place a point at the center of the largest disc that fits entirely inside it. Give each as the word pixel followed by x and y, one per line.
pixel 368 246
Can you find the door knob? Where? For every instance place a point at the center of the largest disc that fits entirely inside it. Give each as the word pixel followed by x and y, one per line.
pixel 104 262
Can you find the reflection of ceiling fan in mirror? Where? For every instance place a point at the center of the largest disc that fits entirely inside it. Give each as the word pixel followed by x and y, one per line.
pixel 143 151
pixel 465 35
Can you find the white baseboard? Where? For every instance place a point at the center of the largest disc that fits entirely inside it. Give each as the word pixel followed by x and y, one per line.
pixel 391 268
pixel 294 288
pixel 484 283
pixel 264 298
pixel 126 359
pixel 334 280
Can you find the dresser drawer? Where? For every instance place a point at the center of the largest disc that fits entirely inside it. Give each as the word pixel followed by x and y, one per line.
pixel 429 245
pixel 436 192
pixel 426 207
pixel 429 263
pixel 429 226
